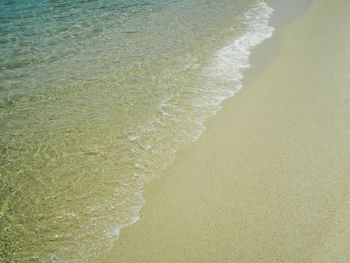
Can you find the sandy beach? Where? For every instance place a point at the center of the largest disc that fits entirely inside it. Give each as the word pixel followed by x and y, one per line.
pixel 268 181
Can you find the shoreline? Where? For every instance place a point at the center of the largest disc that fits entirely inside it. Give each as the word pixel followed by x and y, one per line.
pixel 259 185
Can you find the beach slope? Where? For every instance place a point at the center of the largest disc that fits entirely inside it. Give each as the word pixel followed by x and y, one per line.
pixel 269 179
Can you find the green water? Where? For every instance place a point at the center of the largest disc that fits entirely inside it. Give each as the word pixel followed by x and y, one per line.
pixel 95 99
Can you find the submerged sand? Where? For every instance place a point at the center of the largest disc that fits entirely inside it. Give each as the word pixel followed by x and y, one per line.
pixel 269 179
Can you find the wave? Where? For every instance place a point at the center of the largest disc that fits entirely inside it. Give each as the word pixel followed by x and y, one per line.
pixel 221 79
pixel 176 100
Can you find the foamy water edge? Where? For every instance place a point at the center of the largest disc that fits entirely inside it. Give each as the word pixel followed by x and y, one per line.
pixel 225 74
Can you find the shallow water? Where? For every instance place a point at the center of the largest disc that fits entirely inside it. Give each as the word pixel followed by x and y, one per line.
pixel 95 99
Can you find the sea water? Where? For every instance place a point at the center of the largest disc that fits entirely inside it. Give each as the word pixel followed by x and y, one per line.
pixel 96 97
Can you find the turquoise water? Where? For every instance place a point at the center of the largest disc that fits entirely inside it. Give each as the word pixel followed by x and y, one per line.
pixel 95 99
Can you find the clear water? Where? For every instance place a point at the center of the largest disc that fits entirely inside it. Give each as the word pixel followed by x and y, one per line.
pixel 96 96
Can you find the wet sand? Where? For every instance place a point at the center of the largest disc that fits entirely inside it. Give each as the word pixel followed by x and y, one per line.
pixel 269 179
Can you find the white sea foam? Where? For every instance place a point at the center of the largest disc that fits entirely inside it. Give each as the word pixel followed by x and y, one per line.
pixel 114 232
pixel 225 70
pixel 223 78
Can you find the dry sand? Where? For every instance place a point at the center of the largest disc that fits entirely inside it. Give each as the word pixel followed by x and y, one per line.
pixel 269 180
